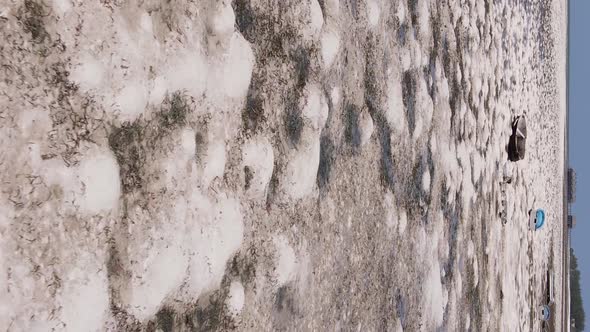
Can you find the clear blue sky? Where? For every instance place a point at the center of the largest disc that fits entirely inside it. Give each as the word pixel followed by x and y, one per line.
pixel 580 137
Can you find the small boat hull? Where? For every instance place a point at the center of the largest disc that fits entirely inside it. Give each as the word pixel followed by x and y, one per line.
pixel 536 219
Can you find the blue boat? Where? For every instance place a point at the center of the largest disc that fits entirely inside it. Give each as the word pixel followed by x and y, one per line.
pixel 537 219
pixel 545 312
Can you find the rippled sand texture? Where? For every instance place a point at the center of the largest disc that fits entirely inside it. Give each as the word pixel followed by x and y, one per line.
pixel 278 165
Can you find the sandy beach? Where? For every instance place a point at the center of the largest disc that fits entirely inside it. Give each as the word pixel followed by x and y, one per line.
pixel 259 165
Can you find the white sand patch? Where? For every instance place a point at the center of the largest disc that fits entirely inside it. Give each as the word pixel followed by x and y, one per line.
pixel 468 192
pixel 403 221
pixel 430 249
pixel 433 296
pixel 132 101
pixel 55 172
pixel 373 12
pixel 302 168
pixel 285 260
pixel 317 18
pixel 160 273
pixel 418 127
pixel 258 156
pixel 187 72
pixel 25 308
pixel 171 170
pixel 158 90
pixel 470 249
pixel 314 107
pixel 221 20
pixel 88 74
pixel 215 234
pixel 146 23
pixel 424 109
pixel 394 112
pixel 99 174
pixel 366 126
pixel 235 300
pixel 458 282
pixel 34 124
pixel 190 234
pixel 188 142
pixel 213 161
pixel 426 181
pixel 335 97
pixel 390 210
pixel 422 245
pixel 330 44
pixel 401 12
pixel 303 161
pixel 304 268
pixel 416 52
pixel 333 6
pixel 406 57
pixel 433 145
pixel 62 6
pixel 35 156
pixel 157 271
pixel 230 74
pixel 477 166
pixel 84 300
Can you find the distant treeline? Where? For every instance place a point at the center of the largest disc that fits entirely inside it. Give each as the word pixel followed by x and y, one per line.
pixel 577 305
